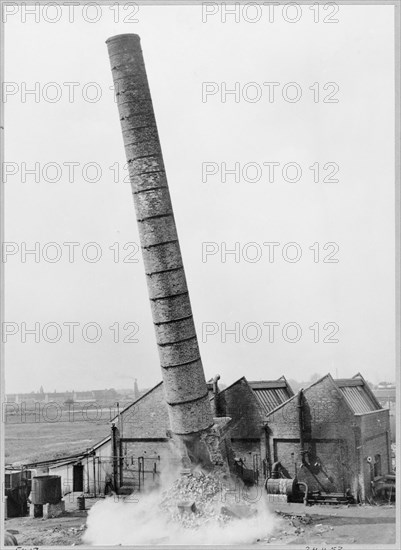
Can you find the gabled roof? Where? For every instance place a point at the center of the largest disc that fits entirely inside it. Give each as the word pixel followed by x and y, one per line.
pixel 358 395
pixel 268 393
pixel 211 394
pixel 125 409
pixel 100 443
pixel 271 393
pixel 329 377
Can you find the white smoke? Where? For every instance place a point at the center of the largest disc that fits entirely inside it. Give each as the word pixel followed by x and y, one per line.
pixel 140 521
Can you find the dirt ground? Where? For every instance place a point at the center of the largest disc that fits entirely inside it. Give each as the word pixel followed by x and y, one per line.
pixel 321 525
pixel 311 526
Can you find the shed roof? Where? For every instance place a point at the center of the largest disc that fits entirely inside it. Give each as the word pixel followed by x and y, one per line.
pixel 358 394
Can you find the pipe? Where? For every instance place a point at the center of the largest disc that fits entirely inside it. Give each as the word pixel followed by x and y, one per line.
pixel 300 424
pixel 215 385
pixel 306 491
pixel 184 380
pixel 94 475
pixel 114 445
pixel 216 395
pixel 275 470
pixel 87 472
pixel 388 445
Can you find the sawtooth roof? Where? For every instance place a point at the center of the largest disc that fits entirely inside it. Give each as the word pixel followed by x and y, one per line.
pixel 358 395
pixel 271 393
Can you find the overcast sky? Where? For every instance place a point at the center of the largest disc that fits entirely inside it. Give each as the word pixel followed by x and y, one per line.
pixel 356 133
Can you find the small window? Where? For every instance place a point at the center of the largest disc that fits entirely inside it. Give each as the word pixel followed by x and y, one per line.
pixel 378 466
pixel 8 481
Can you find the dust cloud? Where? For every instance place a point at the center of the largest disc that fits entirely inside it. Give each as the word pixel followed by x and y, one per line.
pixel 222 514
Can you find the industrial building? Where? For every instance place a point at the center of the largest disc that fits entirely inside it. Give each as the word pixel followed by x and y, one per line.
pixel 341 432
pixel 386 396
pixel 333 435
pixel 141 443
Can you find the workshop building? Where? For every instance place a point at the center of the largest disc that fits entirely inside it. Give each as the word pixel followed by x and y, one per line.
pixel 334 435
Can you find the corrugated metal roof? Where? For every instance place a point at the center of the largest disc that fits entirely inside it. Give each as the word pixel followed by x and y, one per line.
pixel 270 394
pixel 357 397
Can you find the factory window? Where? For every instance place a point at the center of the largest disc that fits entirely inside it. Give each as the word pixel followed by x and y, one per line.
pixel 378 466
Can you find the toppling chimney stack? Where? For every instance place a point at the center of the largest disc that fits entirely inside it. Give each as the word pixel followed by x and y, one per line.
pixel 184 381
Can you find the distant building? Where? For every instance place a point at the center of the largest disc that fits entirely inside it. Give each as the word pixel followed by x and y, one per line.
pixel 91 396
pixel 386 396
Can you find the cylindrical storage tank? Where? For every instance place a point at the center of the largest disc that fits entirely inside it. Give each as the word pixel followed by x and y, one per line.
pixel 46 489
pixel 280 486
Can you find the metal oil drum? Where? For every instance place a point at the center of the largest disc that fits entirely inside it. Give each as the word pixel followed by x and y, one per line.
pixel 280 486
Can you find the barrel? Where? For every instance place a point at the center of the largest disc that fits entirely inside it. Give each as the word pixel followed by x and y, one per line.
pixel 280 486
pixel 46 489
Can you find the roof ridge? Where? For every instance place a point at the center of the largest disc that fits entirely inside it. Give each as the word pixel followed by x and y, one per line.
pixel 136 400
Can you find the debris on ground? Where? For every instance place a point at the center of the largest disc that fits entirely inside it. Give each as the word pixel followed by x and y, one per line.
pixel 192 501
pixel 196 499
pixel 304 519
pixel 58 536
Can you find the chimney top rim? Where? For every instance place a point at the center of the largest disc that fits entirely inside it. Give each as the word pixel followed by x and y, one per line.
pixel 127 36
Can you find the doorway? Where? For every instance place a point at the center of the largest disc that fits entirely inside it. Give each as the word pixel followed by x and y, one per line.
pixel 78 478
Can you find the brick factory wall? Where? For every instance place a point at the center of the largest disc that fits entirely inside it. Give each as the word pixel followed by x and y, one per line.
pixel 375 443
pixel 246 449
pixel 147 418
pixel 328 435
pixel 332 434
pixel 239 403
pixel 147 422
pixel 246 429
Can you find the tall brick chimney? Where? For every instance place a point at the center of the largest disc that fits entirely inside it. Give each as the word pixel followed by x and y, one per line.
pixel 184 381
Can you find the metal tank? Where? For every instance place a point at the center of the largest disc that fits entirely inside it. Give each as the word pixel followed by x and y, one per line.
pixel 46 490
pixel 280 486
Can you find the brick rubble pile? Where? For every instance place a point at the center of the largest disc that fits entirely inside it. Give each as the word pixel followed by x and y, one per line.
pixel 196 499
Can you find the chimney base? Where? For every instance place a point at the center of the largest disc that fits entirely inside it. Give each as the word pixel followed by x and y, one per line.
pixel 209 450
